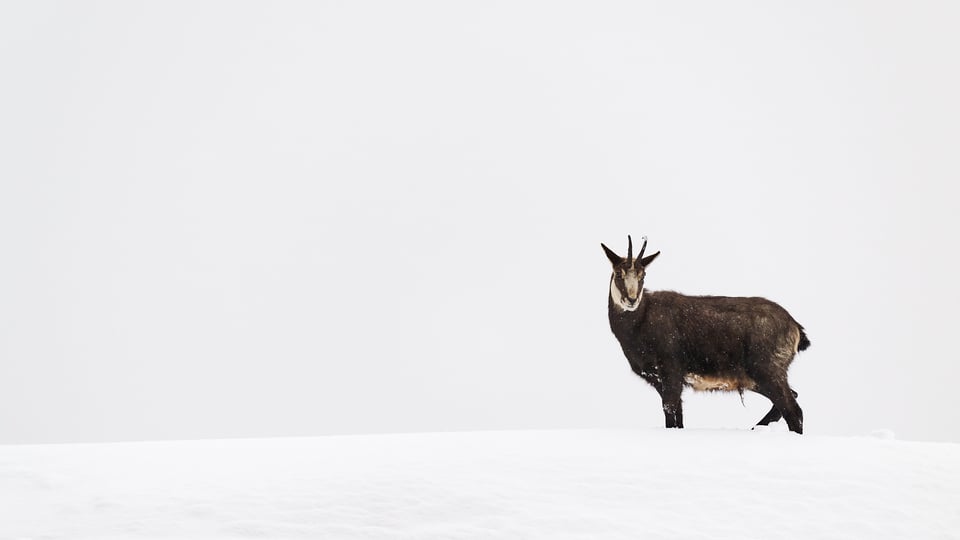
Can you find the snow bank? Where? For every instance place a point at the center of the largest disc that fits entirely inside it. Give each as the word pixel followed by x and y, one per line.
pixel 526 484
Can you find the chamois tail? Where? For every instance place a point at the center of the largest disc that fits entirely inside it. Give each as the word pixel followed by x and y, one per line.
pixel 804 341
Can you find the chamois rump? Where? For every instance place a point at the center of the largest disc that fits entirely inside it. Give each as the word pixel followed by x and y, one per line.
pixel 709 343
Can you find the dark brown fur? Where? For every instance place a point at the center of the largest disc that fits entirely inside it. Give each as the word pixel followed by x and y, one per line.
pixel 710 343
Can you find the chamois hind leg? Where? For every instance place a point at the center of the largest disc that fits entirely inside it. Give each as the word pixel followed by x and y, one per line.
pixel 792 412
pixel 769 371
pixel 784 400
pixel 774 415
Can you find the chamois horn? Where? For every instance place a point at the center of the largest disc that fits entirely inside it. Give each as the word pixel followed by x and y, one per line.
pixel 642 248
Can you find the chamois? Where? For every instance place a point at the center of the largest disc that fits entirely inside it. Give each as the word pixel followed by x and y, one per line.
pixel 705 342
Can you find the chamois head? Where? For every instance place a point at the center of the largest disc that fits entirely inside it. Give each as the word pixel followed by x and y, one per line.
pixel 626 283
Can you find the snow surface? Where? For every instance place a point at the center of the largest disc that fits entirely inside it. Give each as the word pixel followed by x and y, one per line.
pixel 523 484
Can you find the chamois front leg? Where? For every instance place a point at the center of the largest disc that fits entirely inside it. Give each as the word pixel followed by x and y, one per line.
pixel 672 405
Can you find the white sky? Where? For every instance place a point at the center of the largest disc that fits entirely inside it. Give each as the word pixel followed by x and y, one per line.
pixel 253 219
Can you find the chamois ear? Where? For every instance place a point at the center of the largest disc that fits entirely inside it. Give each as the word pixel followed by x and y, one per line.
pixel 648 259
pixel 614 258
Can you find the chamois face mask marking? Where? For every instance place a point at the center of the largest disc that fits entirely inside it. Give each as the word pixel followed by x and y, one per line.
pixel 632 282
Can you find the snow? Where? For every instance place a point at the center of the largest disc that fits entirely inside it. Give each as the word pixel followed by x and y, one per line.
pixel 509 484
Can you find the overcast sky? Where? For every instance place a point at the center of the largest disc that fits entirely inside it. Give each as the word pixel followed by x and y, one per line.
pixel 223 219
